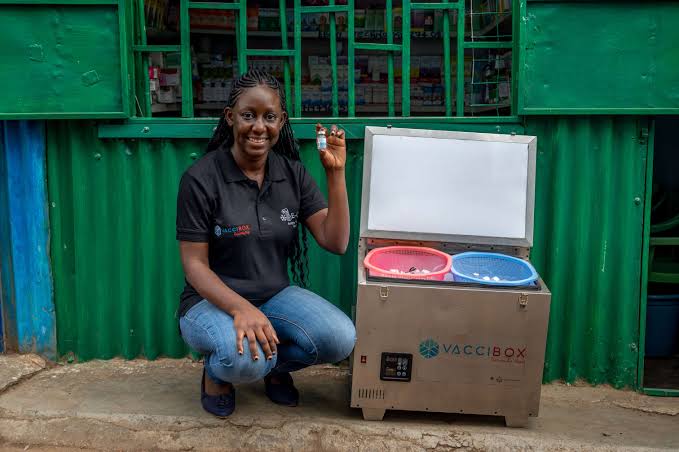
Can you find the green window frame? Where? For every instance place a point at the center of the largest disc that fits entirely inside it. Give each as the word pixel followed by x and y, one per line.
pixel 292 71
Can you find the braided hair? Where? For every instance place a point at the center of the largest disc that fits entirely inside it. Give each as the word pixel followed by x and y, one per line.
pixel 286 146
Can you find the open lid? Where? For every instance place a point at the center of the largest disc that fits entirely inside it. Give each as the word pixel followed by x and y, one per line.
pixel 452 187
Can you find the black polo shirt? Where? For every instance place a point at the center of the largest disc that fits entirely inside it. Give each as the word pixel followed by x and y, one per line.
pixel 248 230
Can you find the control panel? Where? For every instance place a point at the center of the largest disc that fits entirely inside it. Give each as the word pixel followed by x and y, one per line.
pixel 396 366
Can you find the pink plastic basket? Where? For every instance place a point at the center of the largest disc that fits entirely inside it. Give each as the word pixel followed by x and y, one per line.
pixel 382 261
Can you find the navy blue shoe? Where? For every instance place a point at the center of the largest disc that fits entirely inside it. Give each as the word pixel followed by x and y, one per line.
pixel 283 392
pixel 219 405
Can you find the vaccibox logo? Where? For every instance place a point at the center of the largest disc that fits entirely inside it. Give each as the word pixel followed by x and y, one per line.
pixel 239 230
pixel 430 348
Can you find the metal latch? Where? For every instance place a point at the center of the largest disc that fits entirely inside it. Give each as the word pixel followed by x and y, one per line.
pixel 643 135
pixel 384 292
pixel 523 301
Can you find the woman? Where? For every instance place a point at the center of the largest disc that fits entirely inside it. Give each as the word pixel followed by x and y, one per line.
pixel 239 211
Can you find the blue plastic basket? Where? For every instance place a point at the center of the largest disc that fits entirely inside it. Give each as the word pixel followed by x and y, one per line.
pixel 498 269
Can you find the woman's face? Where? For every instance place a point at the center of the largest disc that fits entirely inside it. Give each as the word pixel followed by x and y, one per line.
pixel 256 120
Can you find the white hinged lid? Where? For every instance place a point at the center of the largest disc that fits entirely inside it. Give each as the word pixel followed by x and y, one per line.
pixel 452 187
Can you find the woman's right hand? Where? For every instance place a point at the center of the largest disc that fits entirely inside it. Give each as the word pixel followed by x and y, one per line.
pixel 250 322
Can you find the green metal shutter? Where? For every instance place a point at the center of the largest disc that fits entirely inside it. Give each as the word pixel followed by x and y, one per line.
pixel 599 57
pixel 64 59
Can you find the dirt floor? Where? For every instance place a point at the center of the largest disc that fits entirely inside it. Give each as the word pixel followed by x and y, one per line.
pixel 154 405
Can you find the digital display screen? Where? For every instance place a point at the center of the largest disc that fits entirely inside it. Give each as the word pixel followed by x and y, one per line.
pixel 396 366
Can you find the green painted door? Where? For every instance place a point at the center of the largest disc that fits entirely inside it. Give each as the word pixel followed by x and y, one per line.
pixel 64 59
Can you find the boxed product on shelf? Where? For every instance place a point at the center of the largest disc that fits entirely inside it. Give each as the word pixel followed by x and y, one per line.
pixel 253 18
pixel 317 22
pixel 359 19
pixel 271 65
pixel 230 19
pixel 378 17
pixel 430 67
pixel 209 18
pixel 504 90
pixel 379 93
pixel 415 63
pixel 269 19
pixel 203 58
pixel 428 20
pixel 169 77
pixel 314 96
pixel 416 95
pixel 166 95
pixel 369 19
pixel 359 94
pixel 290 19
pixel 417 21
pixel 156 59
pixel 438 21
pixel 378 67
pixel 397 15
pixel 341 22
pixel 173 59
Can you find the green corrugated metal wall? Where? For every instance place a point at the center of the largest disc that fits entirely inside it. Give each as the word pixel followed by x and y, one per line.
pixel 114 255
pixel 117 271
pixel 588 235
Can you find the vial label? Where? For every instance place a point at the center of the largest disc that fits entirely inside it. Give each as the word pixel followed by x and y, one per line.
pixel 321 142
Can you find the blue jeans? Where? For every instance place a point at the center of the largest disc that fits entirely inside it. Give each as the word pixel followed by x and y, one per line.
pixel 311 331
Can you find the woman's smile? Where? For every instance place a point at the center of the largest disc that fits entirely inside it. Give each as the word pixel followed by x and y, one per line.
pixel 257 140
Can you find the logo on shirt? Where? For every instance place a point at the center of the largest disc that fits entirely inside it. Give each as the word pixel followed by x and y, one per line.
pixel 240 230
pixel 290 218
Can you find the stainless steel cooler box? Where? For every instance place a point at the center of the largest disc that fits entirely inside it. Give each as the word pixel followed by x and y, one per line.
pixel 447 346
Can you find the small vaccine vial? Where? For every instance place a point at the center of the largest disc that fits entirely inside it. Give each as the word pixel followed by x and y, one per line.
pixel 320 140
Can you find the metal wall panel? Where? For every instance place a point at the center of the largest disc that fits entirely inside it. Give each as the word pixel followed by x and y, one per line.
pixel 117 270
pixel 599 57
pixel 64 60
pixel 117 273
pixel 118 276
pixel 27 304
pixel 590 193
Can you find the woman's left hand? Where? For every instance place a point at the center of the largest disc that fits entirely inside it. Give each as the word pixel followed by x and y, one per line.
pixel 334 156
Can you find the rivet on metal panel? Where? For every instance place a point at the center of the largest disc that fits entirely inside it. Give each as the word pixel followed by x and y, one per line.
pixel 637 200
pixel 193 155
pixel 523 301
pixel 146 129
pixel 384 292
pixel 97 156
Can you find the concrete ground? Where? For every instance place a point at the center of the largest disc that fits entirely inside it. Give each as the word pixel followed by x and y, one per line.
pixel 154 405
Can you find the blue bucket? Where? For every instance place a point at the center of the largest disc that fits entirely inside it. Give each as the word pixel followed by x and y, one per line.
pixel 662 325
pixel 492 269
